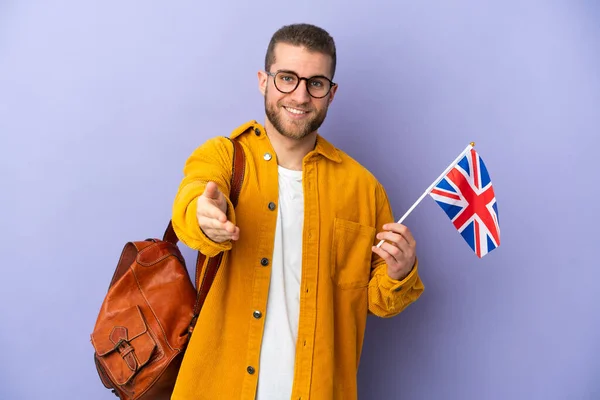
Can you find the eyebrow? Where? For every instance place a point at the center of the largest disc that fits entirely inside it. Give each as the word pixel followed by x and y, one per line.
pixel 294 72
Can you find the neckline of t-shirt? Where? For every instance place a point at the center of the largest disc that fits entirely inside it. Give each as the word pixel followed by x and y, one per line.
pixel 290 173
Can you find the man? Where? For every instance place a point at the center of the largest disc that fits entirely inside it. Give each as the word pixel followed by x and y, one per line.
pixel 286 314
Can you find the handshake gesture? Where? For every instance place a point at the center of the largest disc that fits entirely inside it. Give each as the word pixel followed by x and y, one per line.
pixel 212 215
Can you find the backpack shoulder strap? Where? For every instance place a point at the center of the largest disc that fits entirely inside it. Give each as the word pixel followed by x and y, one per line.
pixel 212 267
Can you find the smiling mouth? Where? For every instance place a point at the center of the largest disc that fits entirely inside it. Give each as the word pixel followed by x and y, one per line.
pixel 295 111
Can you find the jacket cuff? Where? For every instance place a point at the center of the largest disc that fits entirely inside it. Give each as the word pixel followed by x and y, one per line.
pixel 395 286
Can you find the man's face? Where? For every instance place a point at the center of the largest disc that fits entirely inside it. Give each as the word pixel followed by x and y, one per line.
pixel 296 114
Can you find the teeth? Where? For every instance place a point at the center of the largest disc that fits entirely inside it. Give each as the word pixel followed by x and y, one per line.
pixel 295 111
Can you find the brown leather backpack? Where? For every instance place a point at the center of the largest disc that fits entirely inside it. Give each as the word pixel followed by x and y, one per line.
pixel 150 310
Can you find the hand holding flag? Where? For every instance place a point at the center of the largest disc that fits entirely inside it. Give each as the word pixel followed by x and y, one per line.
pixel 400 251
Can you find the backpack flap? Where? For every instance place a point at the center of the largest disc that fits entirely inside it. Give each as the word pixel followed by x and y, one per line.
pixel 123 344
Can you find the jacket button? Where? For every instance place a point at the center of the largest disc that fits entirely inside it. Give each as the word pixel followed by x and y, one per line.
pixel 271 206
pixel 257 131
pixel 257 314
pixel 250 370
pixel 264 262
pixel 267 156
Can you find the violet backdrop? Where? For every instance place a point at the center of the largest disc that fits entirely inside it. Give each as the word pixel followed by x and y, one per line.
pixel 102 102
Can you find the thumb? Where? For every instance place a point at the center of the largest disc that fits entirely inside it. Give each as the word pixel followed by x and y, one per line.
pixel 212 191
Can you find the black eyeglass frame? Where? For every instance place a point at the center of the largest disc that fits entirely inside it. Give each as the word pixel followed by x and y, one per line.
pixel 274 74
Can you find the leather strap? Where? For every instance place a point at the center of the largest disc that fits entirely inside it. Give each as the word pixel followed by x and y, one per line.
pixel 212 267
pixel 237 177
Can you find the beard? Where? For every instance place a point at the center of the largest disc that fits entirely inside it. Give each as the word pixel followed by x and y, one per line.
pixel 291 128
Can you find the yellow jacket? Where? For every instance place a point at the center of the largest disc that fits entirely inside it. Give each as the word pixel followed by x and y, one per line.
pixel 342 279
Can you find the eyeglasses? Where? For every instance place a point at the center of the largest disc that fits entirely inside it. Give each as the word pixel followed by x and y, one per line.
pixel 287 81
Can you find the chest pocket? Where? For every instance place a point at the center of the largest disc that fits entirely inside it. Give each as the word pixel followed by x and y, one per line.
pixel 351 254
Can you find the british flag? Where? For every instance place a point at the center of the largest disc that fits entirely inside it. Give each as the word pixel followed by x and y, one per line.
pixel 467 196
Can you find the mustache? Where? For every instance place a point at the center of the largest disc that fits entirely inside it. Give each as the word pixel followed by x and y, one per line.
pixel 300 106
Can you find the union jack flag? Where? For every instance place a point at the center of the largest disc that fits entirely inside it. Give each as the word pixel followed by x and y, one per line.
pixel 467 196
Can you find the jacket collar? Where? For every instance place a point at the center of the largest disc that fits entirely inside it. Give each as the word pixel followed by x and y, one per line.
pixel 327 149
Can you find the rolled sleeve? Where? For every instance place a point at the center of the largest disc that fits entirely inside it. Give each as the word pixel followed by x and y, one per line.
pixel 389 297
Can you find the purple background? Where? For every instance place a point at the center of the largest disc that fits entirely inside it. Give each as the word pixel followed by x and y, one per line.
pixel 101 103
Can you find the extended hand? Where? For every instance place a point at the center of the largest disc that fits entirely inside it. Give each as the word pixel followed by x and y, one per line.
pixel 212 217
pixel 399 250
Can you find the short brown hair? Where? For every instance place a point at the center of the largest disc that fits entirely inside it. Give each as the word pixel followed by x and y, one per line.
pixel 306 35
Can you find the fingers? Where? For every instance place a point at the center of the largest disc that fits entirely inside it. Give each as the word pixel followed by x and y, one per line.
pixel 390 253
pixel 218 238
pixel 401 230
pixel 209 210
pixel 218 231
pixel 207 222
pixel 212 191
pixel 212 219
pixel 399 244
pixel 395 239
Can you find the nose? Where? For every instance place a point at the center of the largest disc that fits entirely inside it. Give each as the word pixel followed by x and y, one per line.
pixel 301 95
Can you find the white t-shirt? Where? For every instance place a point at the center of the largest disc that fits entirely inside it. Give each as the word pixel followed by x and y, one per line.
pixel 276 370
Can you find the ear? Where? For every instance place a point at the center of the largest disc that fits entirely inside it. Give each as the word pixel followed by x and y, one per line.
pixel 332 93
pixel 262 81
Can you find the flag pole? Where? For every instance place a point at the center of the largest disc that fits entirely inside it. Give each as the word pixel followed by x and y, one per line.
pixel 426 192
